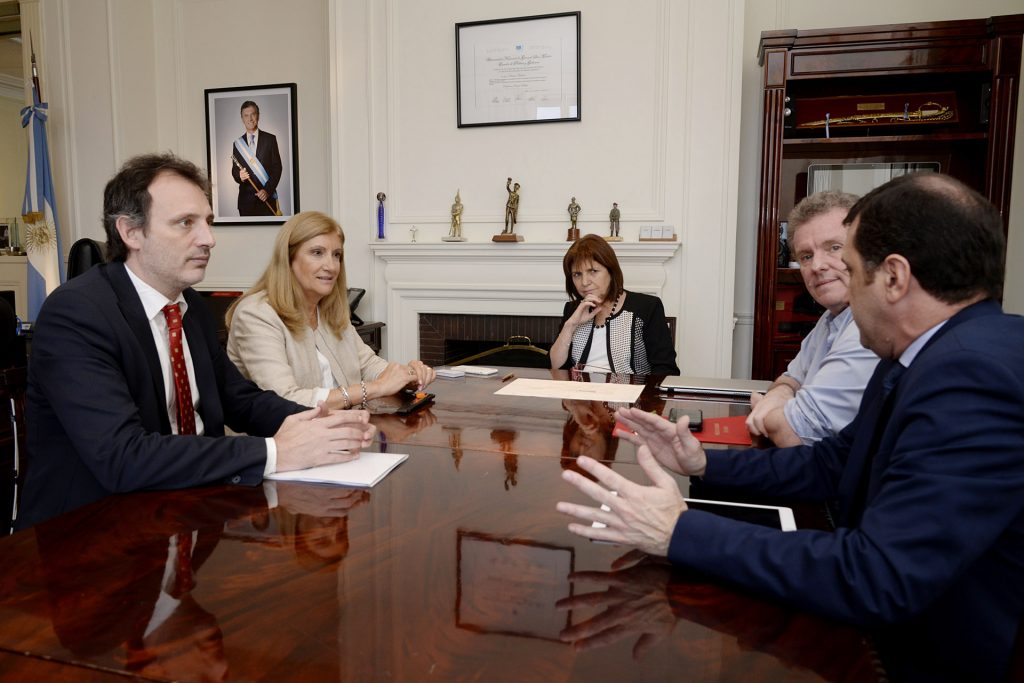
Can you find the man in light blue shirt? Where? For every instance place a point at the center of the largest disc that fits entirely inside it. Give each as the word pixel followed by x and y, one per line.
pixel 820 392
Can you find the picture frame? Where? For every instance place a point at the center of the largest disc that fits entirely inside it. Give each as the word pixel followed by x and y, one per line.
pixel 510 586
pixel 6 236
pixel 275 160
pixel 518 70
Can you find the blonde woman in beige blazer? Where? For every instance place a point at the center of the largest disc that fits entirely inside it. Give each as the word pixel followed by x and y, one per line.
pixel 291 332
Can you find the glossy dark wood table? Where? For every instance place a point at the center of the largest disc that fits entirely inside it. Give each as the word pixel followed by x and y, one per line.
pixel 454 567
pixel 468 415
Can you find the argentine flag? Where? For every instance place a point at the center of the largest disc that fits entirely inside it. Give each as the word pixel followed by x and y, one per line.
pixel 41 233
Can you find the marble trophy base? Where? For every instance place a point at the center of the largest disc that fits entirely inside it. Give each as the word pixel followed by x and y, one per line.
pixel 572 235
pixel 507 237
pixel 609 238
pixel 453 238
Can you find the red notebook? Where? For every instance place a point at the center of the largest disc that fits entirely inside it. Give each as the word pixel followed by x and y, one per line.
pixel 727 430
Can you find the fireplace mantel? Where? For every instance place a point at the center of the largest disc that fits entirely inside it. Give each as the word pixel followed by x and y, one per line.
pixel 488 278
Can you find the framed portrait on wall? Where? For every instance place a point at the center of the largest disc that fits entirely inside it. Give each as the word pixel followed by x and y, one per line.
pixel 252 153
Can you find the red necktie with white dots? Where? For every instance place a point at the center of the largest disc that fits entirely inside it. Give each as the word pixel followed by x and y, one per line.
pixel 186 415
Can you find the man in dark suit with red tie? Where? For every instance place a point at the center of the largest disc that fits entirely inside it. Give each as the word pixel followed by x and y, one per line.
pixel 928 550
pixel 256 166
pixel 128 388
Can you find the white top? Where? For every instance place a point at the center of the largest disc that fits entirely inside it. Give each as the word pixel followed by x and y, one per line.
pixel 597 359
pixel 153 303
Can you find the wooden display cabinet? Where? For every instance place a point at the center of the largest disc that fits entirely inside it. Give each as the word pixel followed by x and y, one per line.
pixel 958 81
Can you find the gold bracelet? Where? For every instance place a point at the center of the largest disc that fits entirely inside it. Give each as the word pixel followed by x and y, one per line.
pixel 362 385
pixel 348 401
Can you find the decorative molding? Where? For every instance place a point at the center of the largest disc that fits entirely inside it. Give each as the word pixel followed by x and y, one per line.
pixel 334 118
pixel 742 320
pixel 70 117
pixel 212 284
pixel 733 97
pixel 486 278
pixel 113 61
pixel 659 155
pixel 179 70
pixel 460 252
pixel 12 88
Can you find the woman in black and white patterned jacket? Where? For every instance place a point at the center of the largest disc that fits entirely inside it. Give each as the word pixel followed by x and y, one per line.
pixel 606 328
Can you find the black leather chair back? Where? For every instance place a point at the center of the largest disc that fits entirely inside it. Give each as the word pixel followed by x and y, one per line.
pixel 84 254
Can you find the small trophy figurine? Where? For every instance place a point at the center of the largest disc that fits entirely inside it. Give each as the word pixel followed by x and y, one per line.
pixel 574 214
pixel 511 214
pixel 380 214
pixel 456 232
pixel 613 228
pixel 412 231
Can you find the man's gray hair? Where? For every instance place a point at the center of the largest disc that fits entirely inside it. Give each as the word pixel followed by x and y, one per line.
pixel 817 204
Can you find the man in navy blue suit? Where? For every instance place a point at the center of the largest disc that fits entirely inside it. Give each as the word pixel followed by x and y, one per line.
pixel 128 387
pixel 928 550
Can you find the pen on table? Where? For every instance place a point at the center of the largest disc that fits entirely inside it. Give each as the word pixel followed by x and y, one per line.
pixel 508 377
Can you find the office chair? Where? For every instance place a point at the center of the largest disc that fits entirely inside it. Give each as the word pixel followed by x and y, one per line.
pixel 13 384
pixel 84 254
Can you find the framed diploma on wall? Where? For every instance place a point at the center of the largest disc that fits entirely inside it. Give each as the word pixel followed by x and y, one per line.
pixel 521 70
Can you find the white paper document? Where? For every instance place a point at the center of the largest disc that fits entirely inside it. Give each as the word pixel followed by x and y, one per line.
pixel 476 370
pixel 365 471
pixel 578 391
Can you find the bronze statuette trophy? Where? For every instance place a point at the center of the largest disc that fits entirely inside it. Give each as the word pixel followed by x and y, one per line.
pixel 456 232
pixel 613 228
pixel 511 213
pixel 574 213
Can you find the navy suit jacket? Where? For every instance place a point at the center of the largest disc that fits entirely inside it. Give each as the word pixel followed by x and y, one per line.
pixel 929 545
pixel 270 156
pixel 97 413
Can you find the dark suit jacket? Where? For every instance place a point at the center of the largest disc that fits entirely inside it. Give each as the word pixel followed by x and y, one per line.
pixel 270 157
pixel 929 549
pixel 97 415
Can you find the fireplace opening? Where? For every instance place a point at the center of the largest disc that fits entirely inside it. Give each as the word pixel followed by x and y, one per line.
pixel 515 352
pixel 450 339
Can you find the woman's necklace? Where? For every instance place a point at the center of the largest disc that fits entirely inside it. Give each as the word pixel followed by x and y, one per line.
pixel 611 313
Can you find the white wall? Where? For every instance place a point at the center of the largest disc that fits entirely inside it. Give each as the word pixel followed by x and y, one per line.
pixel 658 136
pixel 664 131
pixel 13 152
pixel 812 14
pixel 377 112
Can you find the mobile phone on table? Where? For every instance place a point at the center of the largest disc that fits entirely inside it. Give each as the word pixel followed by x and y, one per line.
pixel 412 400
pixel 696 417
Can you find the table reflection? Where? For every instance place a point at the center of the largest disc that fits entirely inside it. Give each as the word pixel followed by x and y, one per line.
pixel 509 585
pixel 146 614
pixel 646 599
pixel 588 430
pixel 505 440
pixel 394 428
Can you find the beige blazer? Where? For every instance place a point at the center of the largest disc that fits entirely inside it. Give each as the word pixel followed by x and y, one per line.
pixel 269 354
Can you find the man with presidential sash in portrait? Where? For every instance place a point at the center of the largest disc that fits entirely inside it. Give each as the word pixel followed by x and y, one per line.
pixel 256 166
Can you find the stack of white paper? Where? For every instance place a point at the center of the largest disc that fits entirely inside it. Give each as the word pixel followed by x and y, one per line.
pixel 365 471
pixel 475 370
